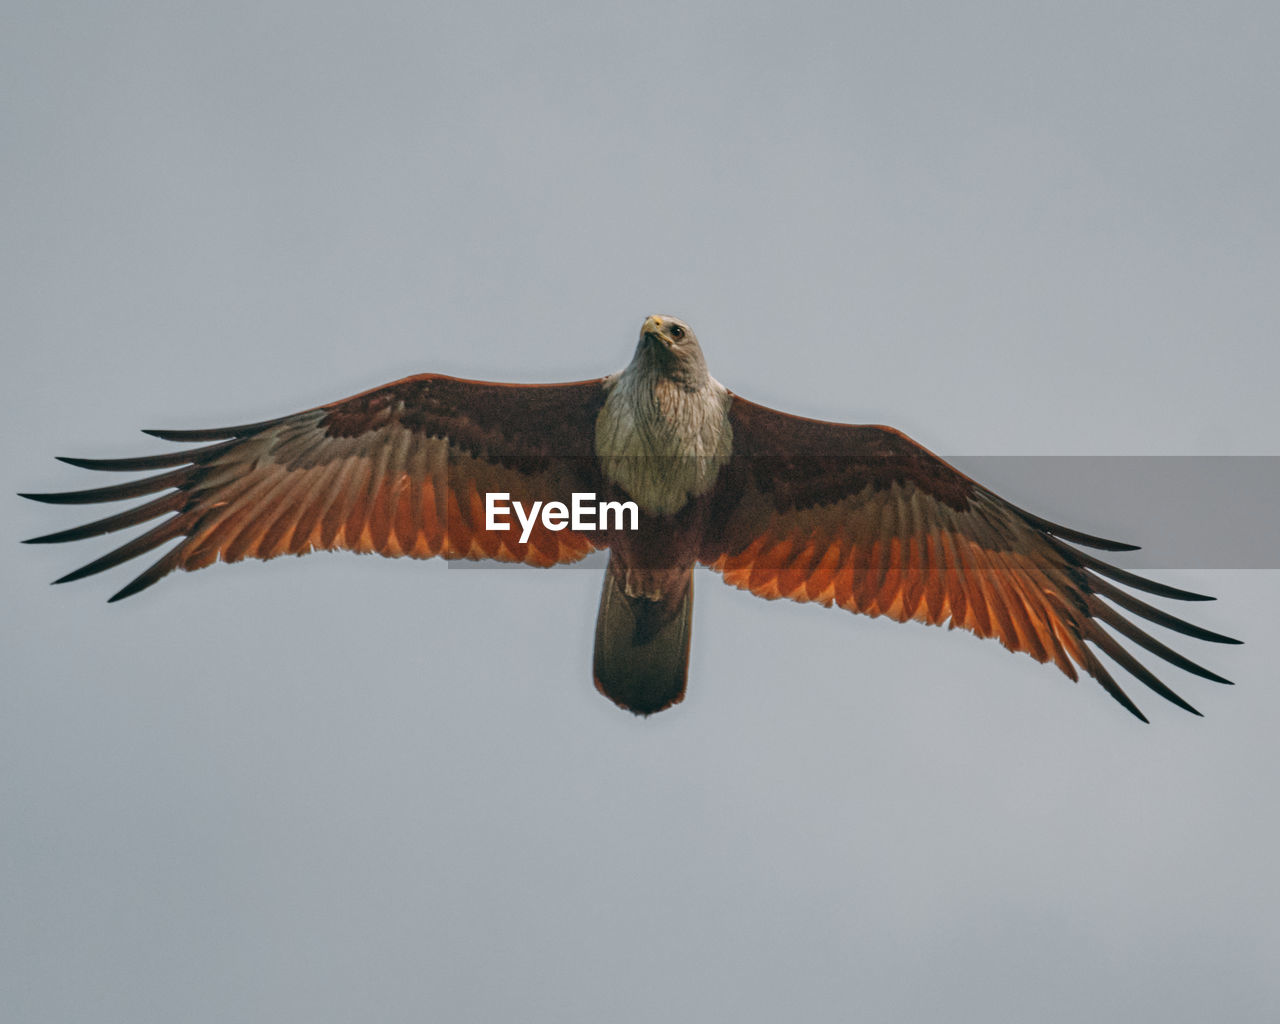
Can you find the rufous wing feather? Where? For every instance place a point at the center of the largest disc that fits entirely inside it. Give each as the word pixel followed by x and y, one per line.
pixel 864 518
pixel 401 470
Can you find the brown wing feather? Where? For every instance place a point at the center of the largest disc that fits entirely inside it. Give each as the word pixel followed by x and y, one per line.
pixel 399 470
pixel 864 518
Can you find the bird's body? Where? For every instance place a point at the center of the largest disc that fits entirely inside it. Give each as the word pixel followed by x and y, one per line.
pixel 663 437
pixel 857 516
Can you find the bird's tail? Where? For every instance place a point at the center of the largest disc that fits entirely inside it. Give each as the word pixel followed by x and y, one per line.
pixel 642 644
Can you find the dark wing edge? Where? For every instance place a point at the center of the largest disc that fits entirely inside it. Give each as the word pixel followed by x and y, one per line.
pixel 866 518
pixel 396 470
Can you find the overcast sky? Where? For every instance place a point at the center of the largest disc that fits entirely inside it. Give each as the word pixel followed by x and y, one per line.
pixel 342 788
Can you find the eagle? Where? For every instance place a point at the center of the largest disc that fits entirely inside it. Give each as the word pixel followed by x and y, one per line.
pixel 857 516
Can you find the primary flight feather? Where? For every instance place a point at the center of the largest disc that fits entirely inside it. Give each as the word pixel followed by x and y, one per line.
pixel 782 506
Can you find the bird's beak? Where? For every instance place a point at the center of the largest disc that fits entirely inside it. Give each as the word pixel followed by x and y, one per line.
pixel 652 330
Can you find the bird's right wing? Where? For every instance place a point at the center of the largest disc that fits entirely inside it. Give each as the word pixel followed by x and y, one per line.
pixel 399 470
pixel 865 518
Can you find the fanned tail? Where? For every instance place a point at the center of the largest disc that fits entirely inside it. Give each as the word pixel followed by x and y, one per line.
pixel 642 646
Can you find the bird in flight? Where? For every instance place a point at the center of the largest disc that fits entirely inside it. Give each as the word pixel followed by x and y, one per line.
pixel 857 516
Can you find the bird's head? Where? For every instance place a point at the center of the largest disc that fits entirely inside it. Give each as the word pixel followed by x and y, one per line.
pixel 670 346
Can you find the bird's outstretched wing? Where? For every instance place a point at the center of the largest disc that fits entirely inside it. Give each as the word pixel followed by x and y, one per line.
pixel 400 470
pixel 863 517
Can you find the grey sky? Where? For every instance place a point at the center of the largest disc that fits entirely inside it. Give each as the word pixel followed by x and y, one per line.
pixel 344 788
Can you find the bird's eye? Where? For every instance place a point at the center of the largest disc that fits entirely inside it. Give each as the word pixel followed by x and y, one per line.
pixel 677 331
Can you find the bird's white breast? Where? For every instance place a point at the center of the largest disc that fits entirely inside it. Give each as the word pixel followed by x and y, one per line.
pixel 661 442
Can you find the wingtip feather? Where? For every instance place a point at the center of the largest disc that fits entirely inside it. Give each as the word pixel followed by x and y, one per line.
pixel 1114 545
pixel 129 590
pixel 214 434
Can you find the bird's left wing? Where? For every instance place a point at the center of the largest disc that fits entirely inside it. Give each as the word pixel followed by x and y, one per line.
pixel 863 517
pixel 399 470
